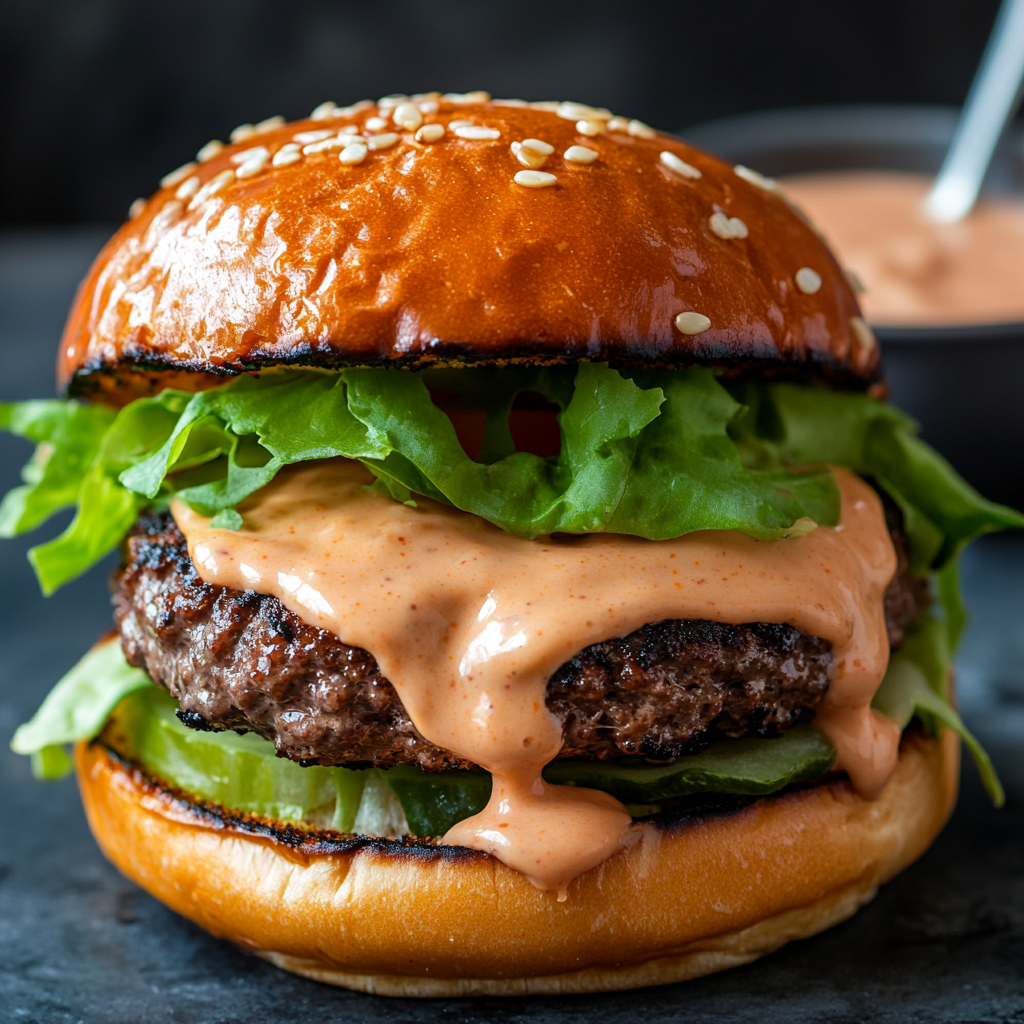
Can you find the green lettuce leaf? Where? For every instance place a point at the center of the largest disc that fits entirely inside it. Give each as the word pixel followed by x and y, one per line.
pixel 68 436
pixel 799 425
pixel 654 454
pixel 77 708
pixel 81 450
pixel 916 683
pixel 649 455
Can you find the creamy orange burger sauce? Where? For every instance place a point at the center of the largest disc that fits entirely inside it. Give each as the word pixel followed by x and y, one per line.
pixel 469 622
pixel 917 272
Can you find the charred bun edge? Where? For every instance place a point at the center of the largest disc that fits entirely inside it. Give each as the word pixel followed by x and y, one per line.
pixel 408 917
pixel 132 377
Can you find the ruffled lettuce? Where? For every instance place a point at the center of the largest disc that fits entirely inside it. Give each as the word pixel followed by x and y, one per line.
pixel 77 708
pixel 801 426
pixel 917 681
pixel 654 454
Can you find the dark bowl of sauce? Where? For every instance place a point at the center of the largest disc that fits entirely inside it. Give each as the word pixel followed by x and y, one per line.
pixel 947 303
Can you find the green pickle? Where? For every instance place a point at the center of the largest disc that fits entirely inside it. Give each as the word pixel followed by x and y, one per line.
pixel 239 772
pixel 750 767
pixel 243 773
pixel 435 801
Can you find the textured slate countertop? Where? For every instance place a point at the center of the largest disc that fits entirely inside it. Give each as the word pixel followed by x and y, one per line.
pixel 943 942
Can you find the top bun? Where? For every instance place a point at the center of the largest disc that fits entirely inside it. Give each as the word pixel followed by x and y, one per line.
pixel 430 252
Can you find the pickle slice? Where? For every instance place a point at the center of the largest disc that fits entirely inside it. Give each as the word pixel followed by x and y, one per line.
pixel 240 772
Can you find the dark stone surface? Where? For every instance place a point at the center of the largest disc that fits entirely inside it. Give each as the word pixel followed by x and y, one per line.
pixel 943 942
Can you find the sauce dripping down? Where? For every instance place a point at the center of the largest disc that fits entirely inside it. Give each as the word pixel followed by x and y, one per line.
pixel 469 622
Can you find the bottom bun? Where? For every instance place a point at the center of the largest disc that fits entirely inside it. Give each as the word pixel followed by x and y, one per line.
pixel 701 891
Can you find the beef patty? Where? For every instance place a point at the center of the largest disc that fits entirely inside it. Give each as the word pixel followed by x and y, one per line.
pixel 241 660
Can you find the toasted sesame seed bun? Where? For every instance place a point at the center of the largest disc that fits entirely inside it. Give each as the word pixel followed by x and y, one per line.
pixel 694 896
pixel 399 246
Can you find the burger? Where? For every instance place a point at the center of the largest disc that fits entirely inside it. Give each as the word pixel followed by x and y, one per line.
pixel 525 586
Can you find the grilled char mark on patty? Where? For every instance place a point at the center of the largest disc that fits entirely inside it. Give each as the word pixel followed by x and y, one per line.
pixel 241 660
pixel 671 688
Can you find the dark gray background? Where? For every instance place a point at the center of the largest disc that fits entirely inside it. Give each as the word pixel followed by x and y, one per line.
pixel 102 97
pixel 943 942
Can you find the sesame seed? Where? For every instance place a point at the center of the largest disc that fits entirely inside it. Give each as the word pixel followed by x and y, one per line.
pixel 394 100
pixel 458 124
pixel 692 323
pixel 854 281
pixel 532 152
pixel 349 129
pixel 510 103
pixel 430 133
pixel 477 132
pixel 755 178
pixel 269 124
pixel 324 111
pixel 287 154
pixel 188 188
pixel 218 182
pixel 527 157
pixel 356 108
pixel 407 116
pixel 323 145
pixel 209 151
pixel 355 153
pixel 429 107
pixel 549 105
pixel 305 138
pixel 479 96
pixel 212 187
pixel 863 336
pixel 250 154
pixel 807 280
pixel 580 155
pixel 252 166
pixel 534 179
pixel 582 112
pixel 590 127
pixel 727 227
pixel 640 130
pixel 243 131
pixel 376 124
pixel 679 165
pixel 618 124
pixel 385 141
pixel 177 175
pixel 418 96
pixel 136 208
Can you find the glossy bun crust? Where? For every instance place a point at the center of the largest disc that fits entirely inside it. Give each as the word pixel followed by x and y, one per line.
pixel 430 252
pixel 694 896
